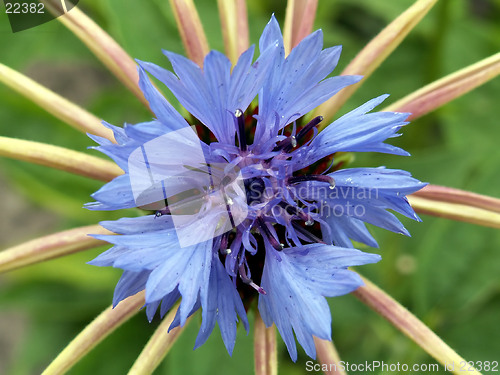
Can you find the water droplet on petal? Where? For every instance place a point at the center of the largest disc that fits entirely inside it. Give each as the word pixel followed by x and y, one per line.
pixel 332 184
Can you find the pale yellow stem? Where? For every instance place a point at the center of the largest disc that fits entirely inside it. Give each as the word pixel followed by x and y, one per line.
pixel 234 21
pixel 101 44
pixel 49 247
pixel 158 346
pixel 299 20
pixel 375 52
pixel 452 195
pixel 265 349
pixel 329 357
pixel 109 320
pixel 53 103
pixel 454 211
pixel 191 30
pixel 59 158
pixel 63 2
pixel 444 90
pixel 410 325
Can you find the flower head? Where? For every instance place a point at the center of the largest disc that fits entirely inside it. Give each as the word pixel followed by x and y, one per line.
pixel 250 213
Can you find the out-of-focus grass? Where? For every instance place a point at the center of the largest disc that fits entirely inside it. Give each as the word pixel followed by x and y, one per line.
pixel 446 273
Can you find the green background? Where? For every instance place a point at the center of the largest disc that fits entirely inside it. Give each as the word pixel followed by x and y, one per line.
pixel 447 273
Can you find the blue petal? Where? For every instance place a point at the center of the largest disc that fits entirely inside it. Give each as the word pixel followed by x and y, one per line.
pixel 341 229
pixel 325 63
pixel 365 194
pixel 193 91
pixel 119 153
pixel 118 132
pixel 294 87
pixel 224 304
pixel 139 252
pixel 101 140
pixel 166 304
pixel 146 243
pixel 160 106
pixel 217 73
pixel 138 225
pixel 296 287
pixel 129 284
pixel 378 179
pixel 151 310
pixel 247 79
pixel 188 269
pixel 214 94
pixel 177 318
pixel 355 131
pixel 107 258
pixel 168 301
pixel 146 131
pixel 318 94
pixel 366 211
pixel 271 35
pixel 190 88
pixel 116 194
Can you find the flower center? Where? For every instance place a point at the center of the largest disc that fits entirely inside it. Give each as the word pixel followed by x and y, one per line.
pixel 260 202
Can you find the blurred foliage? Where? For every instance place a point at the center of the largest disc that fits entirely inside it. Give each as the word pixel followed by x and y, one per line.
pixel 446 273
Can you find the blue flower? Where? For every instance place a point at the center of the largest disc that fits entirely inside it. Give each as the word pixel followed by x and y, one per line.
pixel 233 219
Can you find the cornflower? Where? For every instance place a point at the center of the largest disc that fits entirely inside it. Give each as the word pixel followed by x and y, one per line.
pixel 258 205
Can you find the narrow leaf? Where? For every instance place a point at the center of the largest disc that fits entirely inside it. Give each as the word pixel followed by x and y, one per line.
pixel 409 324
pixel 191 30
pixel 101 44
pixel 53 103
pixel 109 320
pixel 444 90
pixel 265 349
pixel 59 158
pixel 374 53
pixel 328 357
pixel 49 247
pixel 455 211
pixel 299 20
pixel 234 22
pixel 452 195
pixel 158 346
